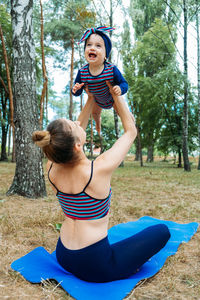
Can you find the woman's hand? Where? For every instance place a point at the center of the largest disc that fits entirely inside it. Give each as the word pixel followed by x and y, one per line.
pixel 114 90
pixel 87 91
pixel 110 87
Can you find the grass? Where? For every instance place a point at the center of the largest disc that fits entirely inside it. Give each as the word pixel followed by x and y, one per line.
pixel 159 189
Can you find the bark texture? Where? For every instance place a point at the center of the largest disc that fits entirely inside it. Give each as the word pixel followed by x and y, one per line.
pixel 45 79
pixel 198 75
pixel 4 126
pixel 29 179
pixel 185 108
pixel 150 155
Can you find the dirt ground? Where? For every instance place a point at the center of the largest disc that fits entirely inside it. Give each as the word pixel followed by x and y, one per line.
pixel 160 190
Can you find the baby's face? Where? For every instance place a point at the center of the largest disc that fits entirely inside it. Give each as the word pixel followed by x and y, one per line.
pixel 95 51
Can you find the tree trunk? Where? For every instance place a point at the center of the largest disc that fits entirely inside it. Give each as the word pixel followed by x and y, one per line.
pixel 71 81
pixel 3 143
pixel 29 179
pixel 116 124
pixel 140 146
pixel 9 139
pixel 9 90
pixel 185 108
pixel 179 159
pixel 110 59
pixel 4 127
pixel 45 79
pixel 3 115
pixel 150 150
pixel 198 75
pixel 137 151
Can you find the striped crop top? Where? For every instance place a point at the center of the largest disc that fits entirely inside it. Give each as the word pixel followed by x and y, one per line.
pixel 82 206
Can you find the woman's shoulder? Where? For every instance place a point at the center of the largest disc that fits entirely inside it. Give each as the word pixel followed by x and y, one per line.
pixel 49 164
pixel 101 165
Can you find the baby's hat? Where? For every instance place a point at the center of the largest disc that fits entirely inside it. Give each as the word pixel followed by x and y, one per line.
pixel 102 32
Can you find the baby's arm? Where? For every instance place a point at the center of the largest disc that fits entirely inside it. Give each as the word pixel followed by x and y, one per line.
pixel 117 90
pixel 78 87
pixel 120 84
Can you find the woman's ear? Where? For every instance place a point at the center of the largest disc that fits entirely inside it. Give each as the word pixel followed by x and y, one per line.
pixel 77 146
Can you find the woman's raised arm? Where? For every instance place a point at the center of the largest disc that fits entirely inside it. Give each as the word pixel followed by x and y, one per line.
pixel 112 158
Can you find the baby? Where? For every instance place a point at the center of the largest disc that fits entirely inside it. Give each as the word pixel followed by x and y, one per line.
pixel 95 74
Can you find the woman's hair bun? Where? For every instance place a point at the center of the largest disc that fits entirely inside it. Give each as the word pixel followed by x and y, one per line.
pixel 41 138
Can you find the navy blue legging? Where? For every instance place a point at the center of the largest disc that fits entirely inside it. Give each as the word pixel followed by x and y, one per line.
pixel 102 262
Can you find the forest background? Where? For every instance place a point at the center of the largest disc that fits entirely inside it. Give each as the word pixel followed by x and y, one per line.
pixel 156 178
pixel 161 96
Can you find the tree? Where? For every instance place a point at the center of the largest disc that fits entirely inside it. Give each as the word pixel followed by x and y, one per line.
pixel 198 74
pixel 129 69
pixel 4 118
pixel 152 64
pixel 9 88
pixel 143 13
pixel 185 101
pixel 189 9
pixel 5 66
pixel 110 16
pixel 44 73
pixel 29 179
pixel 170 137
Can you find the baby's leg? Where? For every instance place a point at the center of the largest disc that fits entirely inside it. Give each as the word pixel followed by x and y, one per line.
pixel 96 114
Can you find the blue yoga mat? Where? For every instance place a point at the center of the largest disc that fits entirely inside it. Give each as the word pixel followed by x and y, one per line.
pixel 40 265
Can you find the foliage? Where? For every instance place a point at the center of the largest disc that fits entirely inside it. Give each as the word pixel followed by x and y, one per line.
pixel 105 10
pixel 150 64
pixel 5 22
pixel 143 13
pixel 150 59
pixel 57 226
pixel 60 104
pixel 155 81
pixel 6 27
pixel 72 21
pixel 107 131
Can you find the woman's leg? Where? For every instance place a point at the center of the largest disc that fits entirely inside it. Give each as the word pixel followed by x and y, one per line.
pixel 102 262
pixel 133 252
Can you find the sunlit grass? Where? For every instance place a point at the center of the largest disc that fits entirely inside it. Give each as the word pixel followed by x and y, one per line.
pixel 159 189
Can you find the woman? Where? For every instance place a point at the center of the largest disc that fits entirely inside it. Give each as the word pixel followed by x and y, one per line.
pixel 83 190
